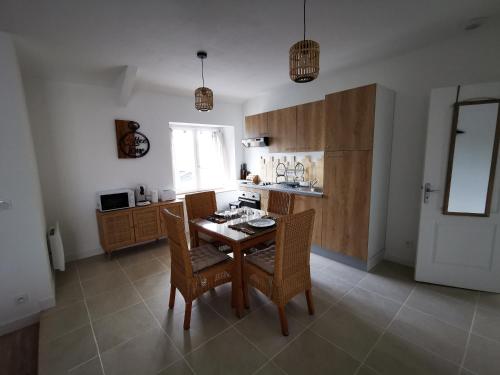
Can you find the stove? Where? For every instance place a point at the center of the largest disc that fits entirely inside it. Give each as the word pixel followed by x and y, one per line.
pixel 247 199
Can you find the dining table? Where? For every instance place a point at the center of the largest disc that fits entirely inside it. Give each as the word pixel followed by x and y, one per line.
pixel 240 240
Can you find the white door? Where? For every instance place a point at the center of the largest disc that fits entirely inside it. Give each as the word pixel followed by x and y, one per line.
pixel 460 251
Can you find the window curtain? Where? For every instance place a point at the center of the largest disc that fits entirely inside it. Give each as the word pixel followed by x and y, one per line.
pixel 221 150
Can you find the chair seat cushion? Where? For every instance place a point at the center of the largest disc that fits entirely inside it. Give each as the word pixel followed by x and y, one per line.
pixel 263 259
pixel 205 256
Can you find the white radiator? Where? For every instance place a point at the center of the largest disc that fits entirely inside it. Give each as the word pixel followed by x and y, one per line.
pixel 56 248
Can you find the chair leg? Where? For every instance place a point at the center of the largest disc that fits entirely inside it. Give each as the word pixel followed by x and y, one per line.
pixel 310 305
pixel 171 301
pixel 187 316
pixel 283 320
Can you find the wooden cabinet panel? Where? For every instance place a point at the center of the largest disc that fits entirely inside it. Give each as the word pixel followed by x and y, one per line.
pixel 146 223
pixel 282 126
pixel 303 203
pixel 311 126
pixel 175 208
pixel 349 119
pixel 116 229
pixel 256 126
pixel 346 214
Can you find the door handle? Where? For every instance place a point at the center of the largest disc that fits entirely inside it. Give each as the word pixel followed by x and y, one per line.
pixel 427 191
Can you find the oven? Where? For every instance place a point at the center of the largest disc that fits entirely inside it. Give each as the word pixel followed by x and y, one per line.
pixel 247 199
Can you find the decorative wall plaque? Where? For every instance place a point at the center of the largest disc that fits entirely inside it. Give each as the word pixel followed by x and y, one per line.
pixel 130 142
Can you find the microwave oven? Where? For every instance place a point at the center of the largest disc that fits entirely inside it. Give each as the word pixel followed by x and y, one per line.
pixel 117 199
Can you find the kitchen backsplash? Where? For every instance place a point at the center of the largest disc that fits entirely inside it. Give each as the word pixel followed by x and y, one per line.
pixel 263 163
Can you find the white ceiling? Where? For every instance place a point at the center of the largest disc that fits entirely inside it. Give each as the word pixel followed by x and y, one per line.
pixel 247 41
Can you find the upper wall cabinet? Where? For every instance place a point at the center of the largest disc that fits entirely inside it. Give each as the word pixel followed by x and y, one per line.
pixel 282 126
pixel 311 126
pixel 256 126
pixel 350 118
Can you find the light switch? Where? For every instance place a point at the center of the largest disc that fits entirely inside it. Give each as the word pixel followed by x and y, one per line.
pixel 5 205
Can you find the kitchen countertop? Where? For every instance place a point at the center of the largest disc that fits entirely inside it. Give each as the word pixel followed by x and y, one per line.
pixel 298 190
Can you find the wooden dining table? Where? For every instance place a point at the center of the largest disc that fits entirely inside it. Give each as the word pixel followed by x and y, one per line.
pixel 238 241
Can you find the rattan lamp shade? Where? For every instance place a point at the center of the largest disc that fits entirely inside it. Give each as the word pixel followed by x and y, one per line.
pixel 304 61
pixel 203 99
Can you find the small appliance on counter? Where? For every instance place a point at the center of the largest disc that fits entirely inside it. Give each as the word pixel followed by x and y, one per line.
pixel 140 195
pixel 167 195
pixel 117 199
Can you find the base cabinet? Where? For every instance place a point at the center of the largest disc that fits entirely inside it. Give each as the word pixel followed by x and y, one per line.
pixel 124 228
pixel 304 203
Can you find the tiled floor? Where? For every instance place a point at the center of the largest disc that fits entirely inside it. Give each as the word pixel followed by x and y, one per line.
pixel 112 318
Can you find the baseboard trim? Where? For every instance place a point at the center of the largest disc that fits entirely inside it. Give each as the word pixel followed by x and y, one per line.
pixel 338 257
pixel 82 255
pixel 375 259
pixel 394 259
pixel 14 325
pixel 47 303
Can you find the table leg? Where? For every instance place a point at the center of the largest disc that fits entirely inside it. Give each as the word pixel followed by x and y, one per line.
pixel 237 279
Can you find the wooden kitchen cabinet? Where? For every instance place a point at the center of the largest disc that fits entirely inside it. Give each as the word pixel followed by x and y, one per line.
pixel 127 227
pixel 350 117
pixel 116 229
pixel 256 125
pixel 347 193
pixel 305 202
pixel 282 126
pixel 311 126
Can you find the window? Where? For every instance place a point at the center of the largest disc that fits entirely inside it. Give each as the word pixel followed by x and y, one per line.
pixel 199 157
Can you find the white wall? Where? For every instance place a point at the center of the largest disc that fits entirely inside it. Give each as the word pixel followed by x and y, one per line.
pixel 75 142
pixel 472 57
pixel 24 263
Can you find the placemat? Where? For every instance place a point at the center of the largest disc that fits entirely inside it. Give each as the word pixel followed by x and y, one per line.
pixel 245 228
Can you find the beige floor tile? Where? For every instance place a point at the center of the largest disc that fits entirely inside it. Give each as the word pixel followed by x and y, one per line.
pixel 178 368
pixel 153 285
pixel 430 333
pixel 354 334
pixel 345 273
pixel 297 308
pixel 92 367
pixel 394 355
pixel 393 284
pixel 311 354
pixel 62 321
pixel 112 301
pixel 205 323
pixel 147 268
pixel 96 266
pixel 489 301
pixel 68 276
pixel 270 369
pixel 104 283
pixel 454 306
pixel 218 356
pixel 483 356
pixel 68 294
pixel 367 371
pixel 116 328
pixel 66 352
pixel 134 256
pixel 146 354
pixel 361 302
pixel 166 260
pixel 262 327
pixel 487 323
pixel 328 287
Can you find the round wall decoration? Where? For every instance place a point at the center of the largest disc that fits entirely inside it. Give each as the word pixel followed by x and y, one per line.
pixel 133 143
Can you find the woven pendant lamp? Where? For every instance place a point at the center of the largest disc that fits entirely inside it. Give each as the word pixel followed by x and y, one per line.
pixel 203 96
pixel 304 58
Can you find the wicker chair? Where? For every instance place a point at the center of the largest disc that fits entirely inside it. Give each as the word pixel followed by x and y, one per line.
pixel 282 270
pixel 280 202
pixel 202 205
pixel 193 272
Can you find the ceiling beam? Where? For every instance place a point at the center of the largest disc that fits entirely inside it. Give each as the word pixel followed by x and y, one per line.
pixel 125 84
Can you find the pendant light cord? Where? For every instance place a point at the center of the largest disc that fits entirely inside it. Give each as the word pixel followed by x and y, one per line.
pixel 202 76
pixel 304 19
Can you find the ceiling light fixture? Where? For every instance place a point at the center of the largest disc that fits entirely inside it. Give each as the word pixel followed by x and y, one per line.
pixel 304 58
pixel 203 96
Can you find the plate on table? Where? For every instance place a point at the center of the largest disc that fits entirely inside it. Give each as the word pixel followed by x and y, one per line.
pixel 261 223
pixel 219 213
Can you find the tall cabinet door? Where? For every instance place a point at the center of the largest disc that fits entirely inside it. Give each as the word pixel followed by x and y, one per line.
pixel 311 126
pixel 116 229
pixel 282 126
pixel 349 119
pixel 147 223
pixel 347 189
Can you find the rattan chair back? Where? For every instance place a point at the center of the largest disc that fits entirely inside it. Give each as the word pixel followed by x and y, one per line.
pixel 179 253
pixel 280 202
pixel 200 204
